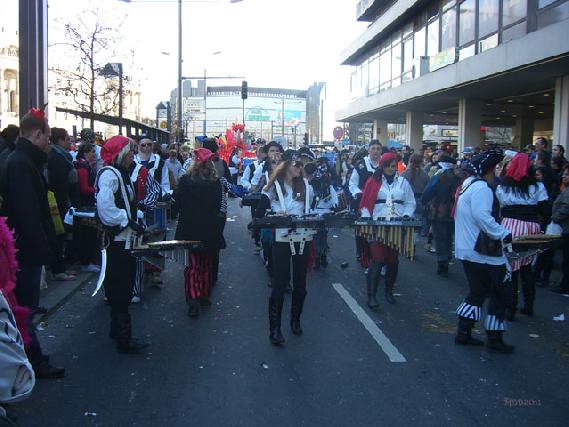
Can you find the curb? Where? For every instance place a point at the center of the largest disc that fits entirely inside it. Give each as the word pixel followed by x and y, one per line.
pixel 54 306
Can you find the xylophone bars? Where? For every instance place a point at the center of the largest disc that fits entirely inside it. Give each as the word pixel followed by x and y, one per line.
pixel 399 238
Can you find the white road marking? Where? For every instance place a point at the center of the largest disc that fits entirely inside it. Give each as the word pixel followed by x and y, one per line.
pixel 377 334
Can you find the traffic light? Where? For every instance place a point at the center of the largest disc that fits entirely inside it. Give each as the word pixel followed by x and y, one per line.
pixel 244 90
pixel 306 139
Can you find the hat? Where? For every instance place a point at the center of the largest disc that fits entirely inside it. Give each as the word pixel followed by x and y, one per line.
pixel 291 155
pixel 519 167
pixel 202 155
pixel 115 149
pixel 387 158
pixel 210 144
pixel 87 135
pixel 305 151
pixel 468 150
pixel 445 158
pixel 482 163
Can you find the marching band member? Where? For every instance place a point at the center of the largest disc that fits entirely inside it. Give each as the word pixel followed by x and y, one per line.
pixel 523 204
pixel 385 195
pixel 324 202
pixel 478 244
pixel 361 172
pixel 199 199
pixel 117 210
pixel 248 174
pixel 290 194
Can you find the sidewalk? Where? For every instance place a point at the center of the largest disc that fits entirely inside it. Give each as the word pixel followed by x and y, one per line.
pixel 58 293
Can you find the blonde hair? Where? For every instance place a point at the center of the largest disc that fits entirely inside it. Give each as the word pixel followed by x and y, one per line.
pixel 205 170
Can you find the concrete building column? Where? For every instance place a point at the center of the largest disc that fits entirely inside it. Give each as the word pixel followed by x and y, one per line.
pixel 380 131
pixel 561 113
pixel 469 120
pixel 522 132
pixel 414 130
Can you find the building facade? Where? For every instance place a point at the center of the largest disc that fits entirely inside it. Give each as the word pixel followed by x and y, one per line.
pixel 472 64
pixel 9 66
pixel 269 113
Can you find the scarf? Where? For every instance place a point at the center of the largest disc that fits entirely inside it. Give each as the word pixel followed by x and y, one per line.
pixel 519 167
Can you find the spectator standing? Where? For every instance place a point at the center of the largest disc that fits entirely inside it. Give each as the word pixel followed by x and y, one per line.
pixel 175 167
pixel 85 165
pixel 24 191
pixel 62 181
pixel 8 139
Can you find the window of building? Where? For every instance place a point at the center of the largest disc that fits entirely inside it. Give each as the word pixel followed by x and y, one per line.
pixel 365 78
pixel 385 66
pixel 408 59
pixel 513 11
pixel 544 3
pixel 488 43
pixel 396 55
pixel 559 11
pixel 488 11
pixel 420 42
pixel 448 30
pixel 374 74
pixel 467 17
pixel 514 32
pixel 433 38
pixel 447 4
pixel 467 52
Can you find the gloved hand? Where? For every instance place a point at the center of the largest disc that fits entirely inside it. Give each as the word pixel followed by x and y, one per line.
pixel 139 228
pixel 167 197
pixel 507 239
pixel 140 206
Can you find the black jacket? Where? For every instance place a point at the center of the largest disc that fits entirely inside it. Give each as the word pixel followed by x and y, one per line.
pixel 24 190
pixel 59 168
pixel 199 202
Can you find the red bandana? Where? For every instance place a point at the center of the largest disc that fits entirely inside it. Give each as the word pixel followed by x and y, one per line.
pixel 519 167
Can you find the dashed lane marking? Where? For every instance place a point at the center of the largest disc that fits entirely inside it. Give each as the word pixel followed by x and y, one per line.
pixel 377 334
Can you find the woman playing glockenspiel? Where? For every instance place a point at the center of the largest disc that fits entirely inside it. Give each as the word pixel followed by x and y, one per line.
pixel 290 194
pixel 198 199
pixel 385 195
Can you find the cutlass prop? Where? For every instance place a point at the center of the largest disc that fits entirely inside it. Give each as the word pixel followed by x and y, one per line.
pixel 102 272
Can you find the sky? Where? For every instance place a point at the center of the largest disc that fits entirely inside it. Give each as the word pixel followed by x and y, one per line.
pixel 273 43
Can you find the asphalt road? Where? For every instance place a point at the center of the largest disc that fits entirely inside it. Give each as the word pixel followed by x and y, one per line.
pixel 220 370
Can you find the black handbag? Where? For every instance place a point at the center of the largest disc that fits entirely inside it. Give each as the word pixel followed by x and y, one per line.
pixel 485 245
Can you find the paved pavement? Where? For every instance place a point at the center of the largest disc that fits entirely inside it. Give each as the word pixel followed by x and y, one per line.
pixel 351 366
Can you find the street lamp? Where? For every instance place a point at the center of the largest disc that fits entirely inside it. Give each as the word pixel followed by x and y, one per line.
pixel 113 70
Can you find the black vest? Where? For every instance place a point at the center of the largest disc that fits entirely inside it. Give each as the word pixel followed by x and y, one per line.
pixel 363 173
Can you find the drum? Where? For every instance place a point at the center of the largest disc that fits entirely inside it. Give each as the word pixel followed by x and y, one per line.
pixel 174 250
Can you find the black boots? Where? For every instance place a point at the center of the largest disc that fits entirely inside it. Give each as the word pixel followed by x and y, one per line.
pixel 464 333
pixel 442 268
pixel 390 277
pixel 295 312
pixel 193 308
pixel 125 342
pixel 495 343
pixel 372 279
pixel 275 311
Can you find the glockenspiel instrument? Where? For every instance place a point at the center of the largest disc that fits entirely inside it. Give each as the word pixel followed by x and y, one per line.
pixel 526 246
pixel 395 233
pixel 306 221
pixel 176 250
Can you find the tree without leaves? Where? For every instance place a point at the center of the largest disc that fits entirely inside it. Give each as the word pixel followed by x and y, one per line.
pixel 89 44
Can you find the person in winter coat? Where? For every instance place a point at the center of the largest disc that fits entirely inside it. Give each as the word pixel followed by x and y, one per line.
pixel 198 199
pixel 62 181
pixel 24 192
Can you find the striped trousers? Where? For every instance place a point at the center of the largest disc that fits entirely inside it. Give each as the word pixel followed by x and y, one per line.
pixel 199 276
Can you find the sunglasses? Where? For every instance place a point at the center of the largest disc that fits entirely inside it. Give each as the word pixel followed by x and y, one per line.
pixel 146 145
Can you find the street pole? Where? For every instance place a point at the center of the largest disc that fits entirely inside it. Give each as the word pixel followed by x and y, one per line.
pixel 120 97
pixel 243 113
pixel 179 121
pixel 205 102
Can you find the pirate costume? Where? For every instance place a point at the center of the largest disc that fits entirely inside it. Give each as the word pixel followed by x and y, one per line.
pixel 385 196
pixel 117 211
pixel 523 204
pixel 478 245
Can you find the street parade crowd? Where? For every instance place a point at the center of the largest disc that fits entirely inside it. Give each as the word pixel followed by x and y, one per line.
pixel 99 205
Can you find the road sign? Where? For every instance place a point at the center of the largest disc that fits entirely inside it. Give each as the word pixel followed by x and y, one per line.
pixel 338 132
